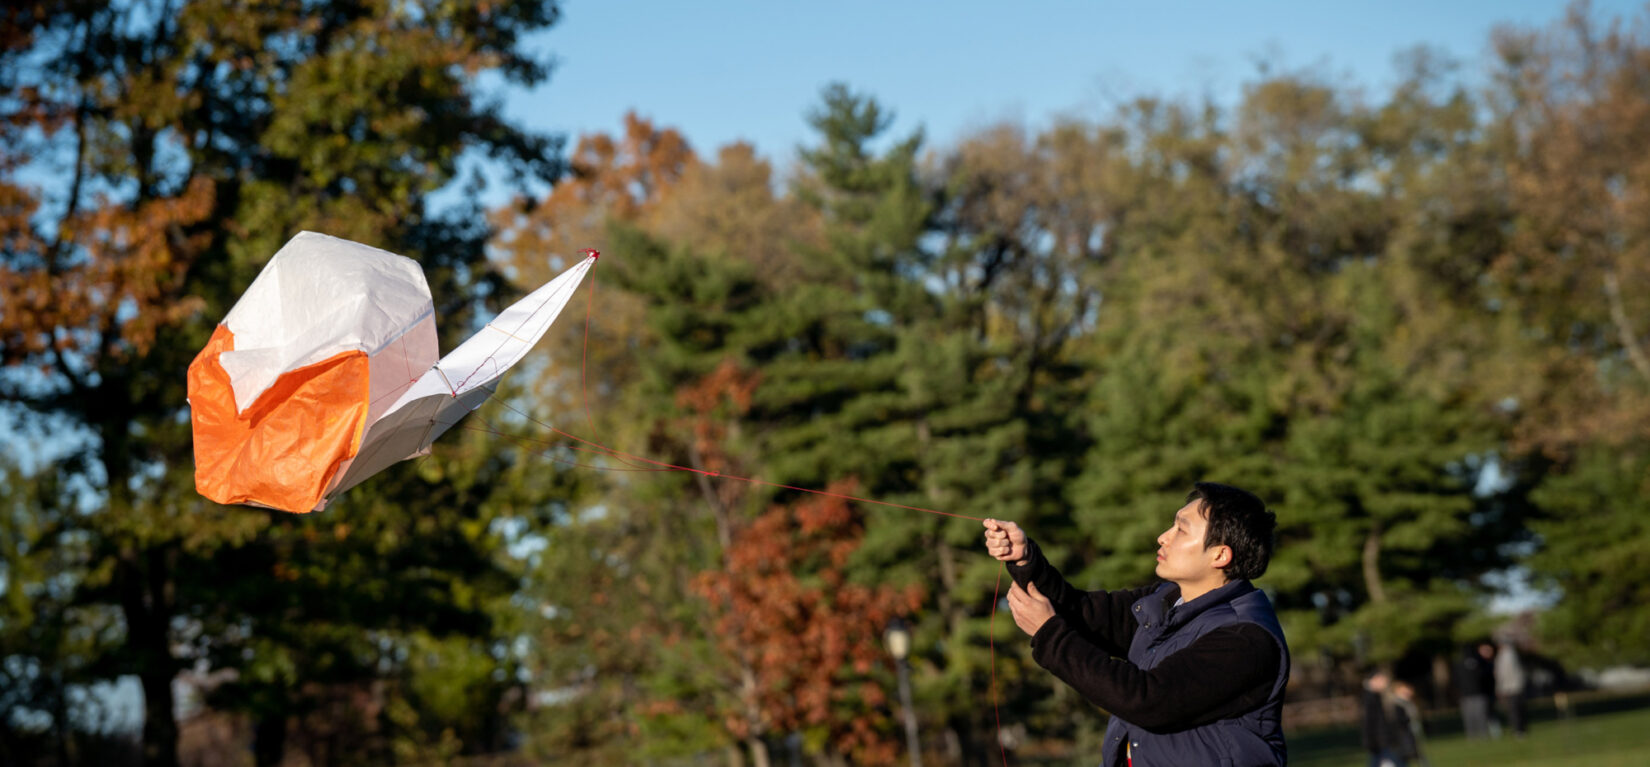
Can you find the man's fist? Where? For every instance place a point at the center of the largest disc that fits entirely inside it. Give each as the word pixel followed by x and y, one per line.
pixel 1005 541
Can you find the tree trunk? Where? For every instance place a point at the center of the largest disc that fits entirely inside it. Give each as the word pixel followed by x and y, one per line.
pixel 1624 328
pixel 759 751
pixel 959 729
pixel 953 746
pixel 1440 681
pixel 269 740
pixel 63 733
pixel 146 600
pixel 719 510
pixel 723 517
pixel 1372 566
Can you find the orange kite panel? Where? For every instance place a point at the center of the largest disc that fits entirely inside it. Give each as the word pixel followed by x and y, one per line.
pixel 284 449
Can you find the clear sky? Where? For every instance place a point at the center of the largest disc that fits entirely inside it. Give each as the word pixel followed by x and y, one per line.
pixel 749 70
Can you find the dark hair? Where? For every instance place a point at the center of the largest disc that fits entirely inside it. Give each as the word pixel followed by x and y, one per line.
pixel 1239 520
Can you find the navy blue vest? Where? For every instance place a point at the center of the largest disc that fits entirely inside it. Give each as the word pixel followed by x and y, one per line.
pixel 1251 740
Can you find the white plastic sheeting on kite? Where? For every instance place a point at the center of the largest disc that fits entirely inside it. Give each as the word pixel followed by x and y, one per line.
pixel 325 372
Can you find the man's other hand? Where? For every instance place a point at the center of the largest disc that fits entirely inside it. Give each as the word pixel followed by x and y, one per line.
pixel 1005 541
pixel 1031 609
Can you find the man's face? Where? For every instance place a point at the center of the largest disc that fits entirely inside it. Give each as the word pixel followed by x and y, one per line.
pixel 1181 556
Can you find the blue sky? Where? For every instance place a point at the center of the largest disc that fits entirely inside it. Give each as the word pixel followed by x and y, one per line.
pixel 750 70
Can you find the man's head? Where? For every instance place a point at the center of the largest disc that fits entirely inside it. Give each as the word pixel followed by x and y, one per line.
pixel 1221 534
pixel 1240 521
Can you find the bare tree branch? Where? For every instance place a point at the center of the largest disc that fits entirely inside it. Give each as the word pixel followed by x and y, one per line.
pixel 1618 314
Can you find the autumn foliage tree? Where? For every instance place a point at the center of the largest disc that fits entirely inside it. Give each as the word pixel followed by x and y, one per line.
pixel 1573 289
pixel 806 639
pixel 786 604
pixel 152 157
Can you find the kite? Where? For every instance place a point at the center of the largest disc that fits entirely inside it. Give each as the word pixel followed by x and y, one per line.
pixel 325 372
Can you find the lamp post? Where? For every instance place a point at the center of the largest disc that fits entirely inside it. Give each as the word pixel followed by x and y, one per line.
pixel 898 637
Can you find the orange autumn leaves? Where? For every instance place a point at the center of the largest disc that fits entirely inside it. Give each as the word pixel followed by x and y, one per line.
pixel 783 606
pixel 116 268
pixel 812 637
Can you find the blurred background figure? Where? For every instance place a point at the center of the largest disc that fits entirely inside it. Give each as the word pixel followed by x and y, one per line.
pixel 1510 682
pixel 1383 733
pixel 1411 731
pixel 1476 683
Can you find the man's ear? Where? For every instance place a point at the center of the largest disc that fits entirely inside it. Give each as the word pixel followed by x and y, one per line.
pixel 1222 557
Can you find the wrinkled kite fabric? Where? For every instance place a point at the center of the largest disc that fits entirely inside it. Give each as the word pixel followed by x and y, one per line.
pixel 326 372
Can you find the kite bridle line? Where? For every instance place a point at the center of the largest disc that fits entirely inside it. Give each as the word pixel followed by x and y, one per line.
pixel 636 463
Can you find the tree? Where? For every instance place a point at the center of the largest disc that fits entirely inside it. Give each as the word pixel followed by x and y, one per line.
pixel 189 141
pixel 612 180
pixel 1572 104
pixel 812 638
pixel 635 653
pixel 825 317
pixel 623 658
pixel 1024 223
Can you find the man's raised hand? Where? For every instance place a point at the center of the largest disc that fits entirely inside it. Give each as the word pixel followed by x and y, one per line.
pixel 1005 541
pixel 1030 608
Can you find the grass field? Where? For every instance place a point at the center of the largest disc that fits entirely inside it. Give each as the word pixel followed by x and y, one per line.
pixel 1613 732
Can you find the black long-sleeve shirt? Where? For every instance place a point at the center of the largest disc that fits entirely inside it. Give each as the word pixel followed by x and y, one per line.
pixel 1223 674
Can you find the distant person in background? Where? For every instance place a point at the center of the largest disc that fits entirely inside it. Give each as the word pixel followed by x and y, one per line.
pixel 1510 681
pixel 1412 735
pixel 1476 683
pixel 1381 729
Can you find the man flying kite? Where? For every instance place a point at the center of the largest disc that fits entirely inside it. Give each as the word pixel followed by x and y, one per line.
pixel 1192 670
